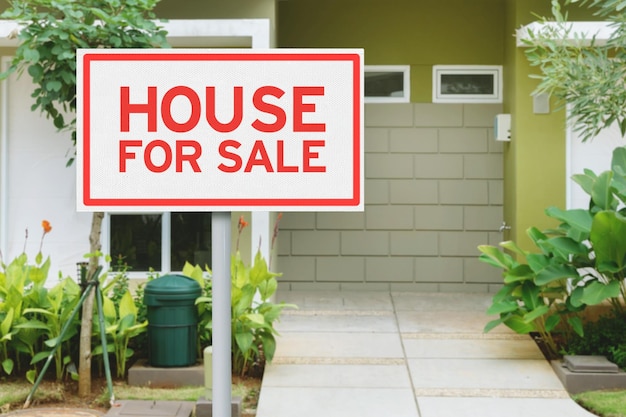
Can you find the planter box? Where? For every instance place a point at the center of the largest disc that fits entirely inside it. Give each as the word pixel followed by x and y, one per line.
pixel 579 373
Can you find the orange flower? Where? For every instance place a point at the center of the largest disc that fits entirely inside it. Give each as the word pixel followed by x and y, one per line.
pixel 46 226
pixel 242 223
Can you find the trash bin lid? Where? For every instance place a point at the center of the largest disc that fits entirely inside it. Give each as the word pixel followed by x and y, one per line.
pixel 171 287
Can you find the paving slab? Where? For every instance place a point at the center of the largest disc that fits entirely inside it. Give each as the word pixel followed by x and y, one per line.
pixel 468 322
pixel 338 345
pixel 471 348
pixel 385 322
pixel 336 402
pixel 337 300
pixel 433 302
pixel 143 408
pixel 483 373
pixel 499 407
pixel 352 376
pixel 405 355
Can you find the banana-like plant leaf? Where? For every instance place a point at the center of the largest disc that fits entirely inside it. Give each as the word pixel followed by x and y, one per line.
pixel 496 257
pixel 576 218
pixel 519 325
pixel 555 272
pixel 607 237
pixel 596 292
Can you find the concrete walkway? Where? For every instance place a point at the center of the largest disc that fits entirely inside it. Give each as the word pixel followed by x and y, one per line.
pixel 374 354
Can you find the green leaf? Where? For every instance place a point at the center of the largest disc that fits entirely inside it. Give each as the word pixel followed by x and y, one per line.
pixel 244 342
pixel 577 325
pixel 269 346
pixel 7 365
pixel 502 307
pixel 513 247
pixel 495 257
pixel 536 313
pixel 108 309
pixel 555 272
pixel 31 55
pixel 552 322
pixel 601 192
pixel 519 325
pixel 127 306
pixel 258 319
pixel 492 324
pixel 618 161
pixel 5 326
pixel 31 375
pixel 576 296
pixel 607 238
pixel 596 292
pixel 39 357
pixel 54 85
pixel 518 274
pixel 577 218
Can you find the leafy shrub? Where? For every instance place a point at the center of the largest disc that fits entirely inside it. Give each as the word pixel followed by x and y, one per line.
pixel 605 336
pixel 581 262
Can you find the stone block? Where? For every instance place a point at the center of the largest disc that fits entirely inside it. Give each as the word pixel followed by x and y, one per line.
pixel 376 139
pixel 365 243
pixel 414 244
pixel 414 191
pixel 155 408
pixel 458 140
pixel 142 374
pixel 438 166
pixel 389 218
pixel 464 192
pixel 388 166
pixel 589 363
pixel 376 191
pixel 337 269
pixel 413 140
pixel 436 115
pixel 483 166
pixel 204 407
pixel 480 115
pixel 388 114
pixel 315 243
pixel 577 382
pixel 439 218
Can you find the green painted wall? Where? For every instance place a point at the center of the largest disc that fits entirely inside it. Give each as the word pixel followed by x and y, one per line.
pixel 534 160
pixel 418 33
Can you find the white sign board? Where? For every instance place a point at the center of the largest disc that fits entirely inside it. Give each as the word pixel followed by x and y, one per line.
pixel 219 130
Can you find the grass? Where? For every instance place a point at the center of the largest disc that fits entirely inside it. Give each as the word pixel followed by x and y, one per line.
pixel 604 403
pixel 14 394
pixel 49 394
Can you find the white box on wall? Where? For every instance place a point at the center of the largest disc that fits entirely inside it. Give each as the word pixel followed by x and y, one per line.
pixel 502 127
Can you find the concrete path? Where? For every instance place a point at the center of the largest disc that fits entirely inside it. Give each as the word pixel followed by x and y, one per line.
pixel 373 354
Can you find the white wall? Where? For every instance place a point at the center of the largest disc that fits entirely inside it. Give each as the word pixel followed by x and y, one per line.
pixel 594 154
pixel 38 185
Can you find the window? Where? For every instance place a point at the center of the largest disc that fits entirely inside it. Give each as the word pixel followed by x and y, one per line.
pixel 467 84
pixel 387 84
pixel 163 242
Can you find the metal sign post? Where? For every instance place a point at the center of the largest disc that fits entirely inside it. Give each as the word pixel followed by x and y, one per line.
pixel 221 239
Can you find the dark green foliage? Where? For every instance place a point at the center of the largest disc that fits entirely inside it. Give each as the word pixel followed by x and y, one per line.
pixel 606 337
pixel 54 29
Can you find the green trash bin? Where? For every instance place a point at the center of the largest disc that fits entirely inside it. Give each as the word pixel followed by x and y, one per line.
pixel 172 321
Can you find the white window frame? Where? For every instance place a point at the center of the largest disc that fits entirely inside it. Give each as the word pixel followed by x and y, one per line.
pixel 494 70
pixel 406 91
pixel 166 240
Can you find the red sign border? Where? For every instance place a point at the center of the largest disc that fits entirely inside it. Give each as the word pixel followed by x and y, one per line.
pixel 264 203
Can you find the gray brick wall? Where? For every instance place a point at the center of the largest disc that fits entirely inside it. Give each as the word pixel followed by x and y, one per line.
pixel 433 192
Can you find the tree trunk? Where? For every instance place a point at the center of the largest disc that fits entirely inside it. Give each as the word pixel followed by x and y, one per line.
pixel 84 361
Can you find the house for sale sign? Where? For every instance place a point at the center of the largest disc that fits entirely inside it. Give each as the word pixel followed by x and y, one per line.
pixel 219 130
